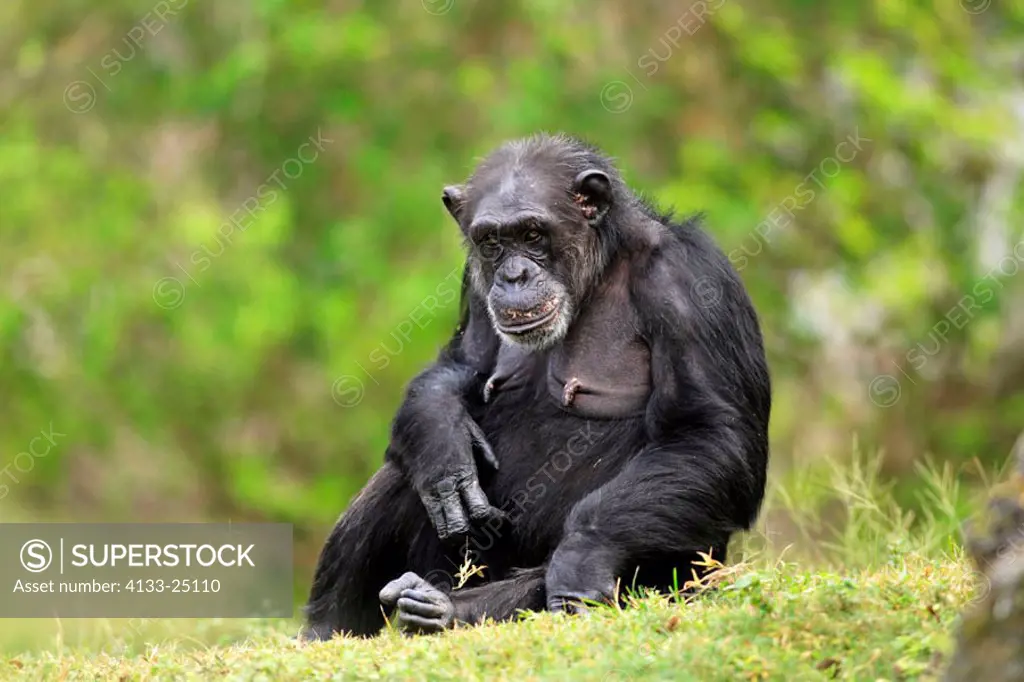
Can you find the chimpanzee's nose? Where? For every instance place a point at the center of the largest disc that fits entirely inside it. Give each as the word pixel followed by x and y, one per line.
pixel 513 274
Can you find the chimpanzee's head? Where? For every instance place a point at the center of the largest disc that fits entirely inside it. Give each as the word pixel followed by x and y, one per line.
pixel 535 215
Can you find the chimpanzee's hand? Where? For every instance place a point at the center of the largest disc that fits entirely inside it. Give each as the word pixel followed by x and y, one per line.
pixel 419 606
pixel 580 571
pixel 436 451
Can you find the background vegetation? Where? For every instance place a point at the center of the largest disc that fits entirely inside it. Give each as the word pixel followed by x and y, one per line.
pixel 223 253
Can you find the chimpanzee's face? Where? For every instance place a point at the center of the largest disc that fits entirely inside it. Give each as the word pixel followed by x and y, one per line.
pixel 527 299
pixel 533 248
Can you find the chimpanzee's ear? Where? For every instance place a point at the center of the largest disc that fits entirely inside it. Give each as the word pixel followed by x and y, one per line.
pixel 592 190
pixel 453 197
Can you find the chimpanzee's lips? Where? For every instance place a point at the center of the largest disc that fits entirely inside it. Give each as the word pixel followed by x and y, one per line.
pixel 512 321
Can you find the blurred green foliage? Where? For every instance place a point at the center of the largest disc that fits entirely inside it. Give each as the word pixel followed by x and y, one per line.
pixel 223 254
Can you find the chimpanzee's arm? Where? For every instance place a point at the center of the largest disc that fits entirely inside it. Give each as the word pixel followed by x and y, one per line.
pixel 702 475
pixel 433 437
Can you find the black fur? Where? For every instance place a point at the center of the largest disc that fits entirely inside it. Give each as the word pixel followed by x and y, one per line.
pixel 625 443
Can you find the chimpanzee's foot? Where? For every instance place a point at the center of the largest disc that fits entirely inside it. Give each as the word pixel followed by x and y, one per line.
pixel 419 607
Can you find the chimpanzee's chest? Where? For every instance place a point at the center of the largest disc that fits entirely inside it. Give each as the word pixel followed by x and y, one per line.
pixel 600 370
pixel 563 422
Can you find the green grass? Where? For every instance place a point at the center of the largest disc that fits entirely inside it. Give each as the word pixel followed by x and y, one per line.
pixel 777 623
pixel 870 593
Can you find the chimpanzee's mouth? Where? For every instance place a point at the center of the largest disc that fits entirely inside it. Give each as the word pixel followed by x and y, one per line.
pixel 513 321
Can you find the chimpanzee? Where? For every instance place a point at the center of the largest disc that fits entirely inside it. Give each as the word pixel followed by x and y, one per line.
pixel 599 417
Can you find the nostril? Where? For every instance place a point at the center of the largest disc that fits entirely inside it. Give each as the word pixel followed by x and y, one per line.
pixel 515 275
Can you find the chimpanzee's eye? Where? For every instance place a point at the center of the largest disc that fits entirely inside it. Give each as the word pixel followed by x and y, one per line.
pixel 489 247
pixel 532 237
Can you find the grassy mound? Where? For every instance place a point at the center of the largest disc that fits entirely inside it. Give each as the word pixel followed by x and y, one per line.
pixel 839 582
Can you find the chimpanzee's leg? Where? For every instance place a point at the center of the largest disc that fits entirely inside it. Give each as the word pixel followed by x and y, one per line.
pixel 419 606
pixel 383 533
pixel 502 599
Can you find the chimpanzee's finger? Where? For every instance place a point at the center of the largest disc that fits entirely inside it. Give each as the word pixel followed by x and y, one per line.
pixel 426 592
pixel 416 623
pixel 420 608
pixel 556 605
pixel 500 515
pixel 436 513
pixel 393 590
pixel 480 440
pixel 475 499
pixel 574 604
pixel 454 516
